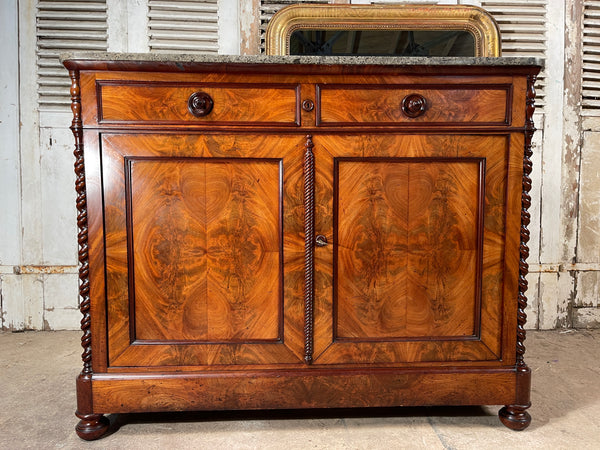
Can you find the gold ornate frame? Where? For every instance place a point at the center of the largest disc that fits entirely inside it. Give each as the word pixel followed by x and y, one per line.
pixel 472 19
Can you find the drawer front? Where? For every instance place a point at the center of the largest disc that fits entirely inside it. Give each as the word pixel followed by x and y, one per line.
pixel 472 105
pixel 196 103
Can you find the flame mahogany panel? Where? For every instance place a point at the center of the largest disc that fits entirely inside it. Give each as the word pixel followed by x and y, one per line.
pixel 167 103
pixel 207 261
pixel 407 248
pixel 308 389
pixel 462 105
pixel 418 224
pixel 198 250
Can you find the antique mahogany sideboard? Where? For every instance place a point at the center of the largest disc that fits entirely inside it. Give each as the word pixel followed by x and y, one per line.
pixel 301 232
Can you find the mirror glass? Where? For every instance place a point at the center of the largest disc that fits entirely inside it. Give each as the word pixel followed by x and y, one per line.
pixel 382 42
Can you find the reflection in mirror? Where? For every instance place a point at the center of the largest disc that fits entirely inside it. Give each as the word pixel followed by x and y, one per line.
pixel 382 42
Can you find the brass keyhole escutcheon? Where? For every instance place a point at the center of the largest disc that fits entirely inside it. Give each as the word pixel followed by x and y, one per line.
pixel 200 104
pixel 414 105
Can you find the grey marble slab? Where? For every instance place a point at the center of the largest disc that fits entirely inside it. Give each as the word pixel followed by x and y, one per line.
pixel 324 60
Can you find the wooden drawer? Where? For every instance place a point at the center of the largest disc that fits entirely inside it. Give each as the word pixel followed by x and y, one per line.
pixel 389 105
pixel 163 103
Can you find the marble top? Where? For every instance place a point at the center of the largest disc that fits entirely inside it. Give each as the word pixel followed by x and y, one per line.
pixel 323 60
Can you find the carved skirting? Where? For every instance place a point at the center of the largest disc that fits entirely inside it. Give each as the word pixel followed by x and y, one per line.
pixel 82 224
pixel 309 236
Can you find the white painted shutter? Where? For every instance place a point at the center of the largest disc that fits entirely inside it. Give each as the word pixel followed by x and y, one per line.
pixel 268 8
pixel 183 26
pixel 523 29
pixel 65 25
pixel 591 58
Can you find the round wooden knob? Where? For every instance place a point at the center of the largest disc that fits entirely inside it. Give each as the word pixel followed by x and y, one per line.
pixel 414 105
pixel 200 104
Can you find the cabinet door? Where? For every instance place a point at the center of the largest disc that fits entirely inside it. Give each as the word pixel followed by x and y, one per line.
pixel 203 249
pixel 425 239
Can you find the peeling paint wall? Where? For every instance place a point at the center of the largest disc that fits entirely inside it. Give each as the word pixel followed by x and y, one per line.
pixel 564 276
pixel 586 307
pixel 38 255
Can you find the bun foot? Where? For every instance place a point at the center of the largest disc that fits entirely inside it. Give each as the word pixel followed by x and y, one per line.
pixel 515 417
pixel 91 426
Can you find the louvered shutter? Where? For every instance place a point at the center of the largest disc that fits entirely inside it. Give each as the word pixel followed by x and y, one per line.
pixel 269 8
pixel 523 28
pixel 65 25
pixel 591 58
pixel 183 26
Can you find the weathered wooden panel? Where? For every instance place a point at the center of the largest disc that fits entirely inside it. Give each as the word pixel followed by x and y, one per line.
pixel 586 317
pixel 588 289
pixel 555 295
pixel 26 308
pixel 588 246
pixel 60 307
pixel 533 295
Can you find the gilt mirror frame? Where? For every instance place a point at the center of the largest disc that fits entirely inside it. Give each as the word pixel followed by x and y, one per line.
pixel 476 21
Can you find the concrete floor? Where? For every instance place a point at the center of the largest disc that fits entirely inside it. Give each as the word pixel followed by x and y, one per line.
pixel 37 400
